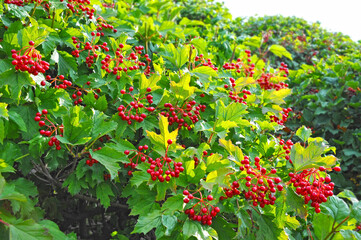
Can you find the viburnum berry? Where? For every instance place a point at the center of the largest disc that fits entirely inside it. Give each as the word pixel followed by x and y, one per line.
pixel 169 141
pixel 28 59
pixel 185 116
pixel 133 111
pixel 202 210
pixel 312 186
pixel 51 130
pixel 261 185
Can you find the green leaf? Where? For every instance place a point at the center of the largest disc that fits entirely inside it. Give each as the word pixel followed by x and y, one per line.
pixel 182 90
pixel 169 222
pixel 14 116
pixel 187 22
pixel 109 157
pixel 176 56
pixel 206 70
pixel 295 203
pixel 304 133
pixel 149 83
pixel 148 222
pixel 53 229
pixel 311 156
pixel 16 81
pixel 172 204
pixel 139 177
pixel 100 125
pixel 160 140
pixel 233 112
pixel 223 228
pixel 280 51
pixel 74 185
pixel 322 225
pixel 28 230
pixel 2 131
pixel 103 192
pixel 66 63
pixel 253 41
pixel 336 208
pixel 8 192
pixel 3 110
pixel 77 126
pixel 192 228
pixel 268 229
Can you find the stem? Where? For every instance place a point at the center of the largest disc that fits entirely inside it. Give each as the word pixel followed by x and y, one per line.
pixel 22 157
pixel 52 22
pixel 5 223
pixel 233 53
pixel 335 228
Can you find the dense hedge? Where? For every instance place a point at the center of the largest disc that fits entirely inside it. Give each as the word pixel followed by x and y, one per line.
pixel 170 120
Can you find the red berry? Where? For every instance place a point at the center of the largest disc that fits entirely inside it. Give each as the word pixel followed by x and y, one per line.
pixel 337 169
pixel 210 197
pixel 149 89
pixel 185 192
pixel 186 200
pixel 126 152
pixel 45 111
pixel 169 141
pixel 31 43
pixel 322 168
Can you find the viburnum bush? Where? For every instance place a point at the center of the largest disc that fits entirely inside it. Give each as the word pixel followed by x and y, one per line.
pixel 136 120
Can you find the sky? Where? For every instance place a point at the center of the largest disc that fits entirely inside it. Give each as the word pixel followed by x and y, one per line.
pixel 334 15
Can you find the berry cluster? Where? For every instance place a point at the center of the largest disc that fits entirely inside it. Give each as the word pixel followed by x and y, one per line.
pixel 179 115
pixel 58 82
pixel 230 192
pixel 234 93
pixel 139 156
pixel 202 211
pixel 51 128
pixel 312 186
pixel 126 63
pixel 91 47
pixel 81 6
pixel 90 161
pixel 285 113
pixel 156 168
pixel 201 61
pixel 284 69
pixel 261 186
pixel 125 112
pixel 28 59
pixel 351 92
pixel 265 81
pixel 103 25
pixel 21 3
pixel 284 149
pixel 106 176
pixel 242 63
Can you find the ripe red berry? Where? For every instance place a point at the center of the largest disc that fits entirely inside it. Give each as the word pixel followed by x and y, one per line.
pixel 149 89
pixel 185 192
pixel 217 210
pixel 210 197
pixel 122 91
pixel 126 152
pixel 322 168
pixel 169 141
pixel 45 111
pixel 186 200
pixel 337 169
pixel 31 43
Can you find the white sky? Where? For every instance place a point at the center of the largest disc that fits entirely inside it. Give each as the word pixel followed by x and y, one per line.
pixel 334 15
